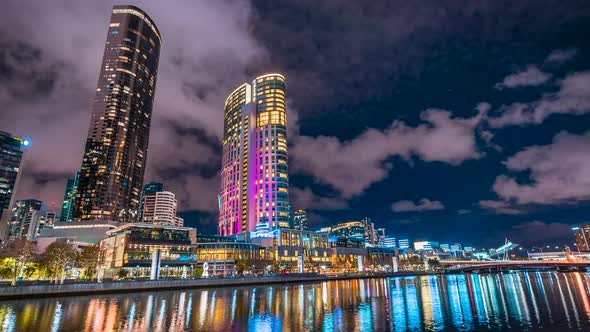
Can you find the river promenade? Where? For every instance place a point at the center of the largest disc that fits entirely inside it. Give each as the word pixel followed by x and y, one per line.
pixel 75 289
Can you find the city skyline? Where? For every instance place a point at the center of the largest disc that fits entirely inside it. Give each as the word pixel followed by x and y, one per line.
pixel 376 148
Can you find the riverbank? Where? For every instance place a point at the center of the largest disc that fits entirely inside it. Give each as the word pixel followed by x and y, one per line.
pixel 51 290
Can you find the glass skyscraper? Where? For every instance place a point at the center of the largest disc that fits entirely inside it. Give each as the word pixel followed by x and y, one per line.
pixel 111 176
pixel 254 179
pixel 10 159
pixel 67 207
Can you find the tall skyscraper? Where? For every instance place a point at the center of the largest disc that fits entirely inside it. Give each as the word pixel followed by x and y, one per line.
pixel 10 159
pixel 111 177
pixel 300 220
pixel 160 208
pixel 254 179
pixel 23 214
pixel 150 188
pixel 67 207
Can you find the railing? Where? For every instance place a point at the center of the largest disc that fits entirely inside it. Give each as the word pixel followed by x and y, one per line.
pixel 49 290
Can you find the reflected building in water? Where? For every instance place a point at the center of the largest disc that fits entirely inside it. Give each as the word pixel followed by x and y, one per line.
pixel 553 301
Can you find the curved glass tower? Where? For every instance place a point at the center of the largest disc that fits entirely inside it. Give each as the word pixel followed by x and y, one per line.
pixel 254 177
pixel 111 176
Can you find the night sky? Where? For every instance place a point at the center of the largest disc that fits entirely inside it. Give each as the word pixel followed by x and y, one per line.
pixel 456 121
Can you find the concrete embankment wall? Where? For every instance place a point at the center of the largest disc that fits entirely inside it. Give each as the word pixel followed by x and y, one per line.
pixel 39 291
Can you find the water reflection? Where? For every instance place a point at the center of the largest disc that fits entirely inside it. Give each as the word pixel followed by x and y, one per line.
pixel 516 301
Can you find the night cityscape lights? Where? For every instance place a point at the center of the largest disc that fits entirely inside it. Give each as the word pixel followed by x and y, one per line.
pixel 268 265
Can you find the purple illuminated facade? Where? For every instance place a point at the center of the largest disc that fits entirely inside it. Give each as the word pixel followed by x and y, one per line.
pixel 254 179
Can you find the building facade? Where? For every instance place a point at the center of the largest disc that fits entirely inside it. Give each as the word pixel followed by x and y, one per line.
pixel 23 212
pixel 254 179
pixel 132 246
pixel 160 208
pixel 10 159
pixel 39 221
pixel 67 207
pixel 111 176
pixel 363 229
pixel 582 236
pixel 300 220
pixel 150 188
pixel 404 243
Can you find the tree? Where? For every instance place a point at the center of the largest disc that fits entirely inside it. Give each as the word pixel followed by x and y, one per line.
pixel 88 260
pixel 433 263
pixel 21 251
pixel 56 257
pixel 412 263
pixel 241 265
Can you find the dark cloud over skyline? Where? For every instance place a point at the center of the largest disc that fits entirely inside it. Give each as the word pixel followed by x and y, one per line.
pixel 397 111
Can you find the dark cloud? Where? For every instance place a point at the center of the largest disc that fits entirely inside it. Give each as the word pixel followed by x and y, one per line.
pixel 424 204
pixel 49 69
pixel 350 52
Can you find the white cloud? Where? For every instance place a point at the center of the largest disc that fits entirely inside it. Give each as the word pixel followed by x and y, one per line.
pixel 532 76
pixel 352 166
pixel 571 98
pixel 424 205
pixel 559 172
pixel 561 56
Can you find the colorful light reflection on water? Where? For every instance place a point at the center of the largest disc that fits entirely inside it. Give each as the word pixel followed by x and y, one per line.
pixel 499 302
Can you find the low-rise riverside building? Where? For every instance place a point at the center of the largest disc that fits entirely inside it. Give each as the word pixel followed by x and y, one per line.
pixel 293 245
pixel 184 253
pixel 131 247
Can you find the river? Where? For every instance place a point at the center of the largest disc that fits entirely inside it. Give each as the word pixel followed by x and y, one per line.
pixel 526 301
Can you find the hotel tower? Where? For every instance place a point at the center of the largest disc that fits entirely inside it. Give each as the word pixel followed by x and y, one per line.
pixel 254 180
pixel 111 176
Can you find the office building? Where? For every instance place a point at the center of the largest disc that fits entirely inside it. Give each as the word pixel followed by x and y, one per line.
pixel 300 220
pixel 389 242
pixel 445 247
pixel 363 229
pixel 39 221
pixel 404 243
pixel 67 207
pixel 22 216
pixel 150 188
pixel 111 176
pixel 131 246
pixel 254 193
pixel 160 208
pixel 582 236
pixel 10 159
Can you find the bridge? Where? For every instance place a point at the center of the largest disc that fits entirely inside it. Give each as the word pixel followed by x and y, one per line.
pixel 493 266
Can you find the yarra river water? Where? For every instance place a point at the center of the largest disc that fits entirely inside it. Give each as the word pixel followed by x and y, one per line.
pixel 531 301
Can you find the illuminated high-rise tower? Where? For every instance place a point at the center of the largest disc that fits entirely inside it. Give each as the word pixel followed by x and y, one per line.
pixel 111 177
pixel 254 179
pixel 11 154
